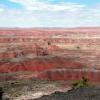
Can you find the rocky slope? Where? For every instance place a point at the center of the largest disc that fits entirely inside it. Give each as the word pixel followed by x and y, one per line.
pixel 77 94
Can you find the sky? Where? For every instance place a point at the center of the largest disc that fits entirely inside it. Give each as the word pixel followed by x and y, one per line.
pixel 49 13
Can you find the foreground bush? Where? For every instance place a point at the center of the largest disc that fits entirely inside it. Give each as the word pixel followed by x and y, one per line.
pixel 80 83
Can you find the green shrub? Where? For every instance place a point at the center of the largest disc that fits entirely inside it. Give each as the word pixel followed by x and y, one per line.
pixel 80 83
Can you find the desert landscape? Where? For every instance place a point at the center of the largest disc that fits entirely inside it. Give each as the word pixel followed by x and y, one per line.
pixel 49 49
pixel 49 55
pixel 54 54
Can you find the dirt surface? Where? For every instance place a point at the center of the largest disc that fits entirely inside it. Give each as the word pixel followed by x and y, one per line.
pixel 31 88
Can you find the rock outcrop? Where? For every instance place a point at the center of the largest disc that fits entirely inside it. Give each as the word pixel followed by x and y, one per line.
pixel 54 54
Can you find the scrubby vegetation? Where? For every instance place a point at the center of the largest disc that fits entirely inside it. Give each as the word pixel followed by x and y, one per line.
pixel 80 83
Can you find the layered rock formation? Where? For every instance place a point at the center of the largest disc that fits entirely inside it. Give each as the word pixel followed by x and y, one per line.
pixel 54 54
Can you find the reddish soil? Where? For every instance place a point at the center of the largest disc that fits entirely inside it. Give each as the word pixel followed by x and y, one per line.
pixel 40 64
pixel 54 54
pixel 70 74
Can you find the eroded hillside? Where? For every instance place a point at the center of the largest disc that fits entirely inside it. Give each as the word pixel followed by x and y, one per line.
pixel 54 54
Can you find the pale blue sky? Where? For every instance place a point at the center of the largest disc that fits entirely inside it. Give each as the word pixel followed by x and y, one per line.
pixel 12 5
pixel 49 13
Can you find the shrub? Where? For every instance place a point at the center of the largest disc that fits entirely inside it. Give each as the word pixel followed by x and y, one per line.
pixel 80 83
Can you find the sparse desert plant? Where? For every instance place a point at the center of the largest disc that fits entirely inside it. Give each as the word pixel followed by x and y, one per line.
pixel 78 47
pixel 49 43
pixel 80 83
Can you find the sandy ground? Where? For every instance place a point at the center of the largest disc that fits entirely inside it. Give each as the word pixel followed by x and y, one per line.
pixel 31 88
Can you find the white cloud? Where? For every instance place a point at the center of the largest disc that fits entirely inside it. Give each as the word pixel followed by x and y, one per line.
pixel 36 13
pixel 38 5
pixel 1 9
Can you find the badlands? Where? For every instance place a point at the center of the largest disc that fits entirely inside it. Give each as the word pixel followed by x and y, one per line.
pixel 50 54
